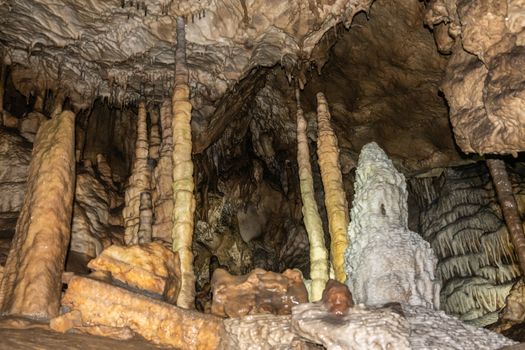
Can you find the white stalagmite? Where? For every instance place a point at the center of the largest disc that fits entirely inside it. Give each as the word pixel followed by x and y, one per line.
pixel 139 182
pixel 311 217
pixel 335 198
pixel 183 185
pixel 386 262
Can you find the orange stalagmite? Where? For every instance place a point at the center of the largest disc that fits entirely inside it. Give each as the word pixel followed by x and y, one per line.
pixel 335 198
pixel 32 279
pixel 183 185
pixel 311 217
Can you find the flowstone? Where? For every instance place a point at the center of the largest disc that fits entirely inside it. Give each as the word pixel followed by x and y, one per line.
pixel 385 261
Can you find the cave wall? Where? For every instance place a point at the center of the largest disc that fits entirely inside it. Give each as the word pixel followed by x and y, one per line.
pixel 460 216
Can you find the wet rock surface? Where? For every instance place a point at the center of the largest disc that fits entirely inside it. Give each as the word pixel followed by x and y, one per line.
pixel 259 292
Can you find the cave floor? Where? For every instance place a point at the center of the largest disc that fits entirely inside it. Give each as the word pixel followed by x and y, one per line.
pixel 18 335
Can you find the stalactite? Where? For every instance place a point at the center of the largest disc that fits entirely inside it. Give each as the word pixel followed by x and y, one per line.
pixel 183 185
pixel 32 278
pixel 311 217
pixel 509 208
pixel 139 181
pixel 335 199
pixel 163 179
pixel 154 135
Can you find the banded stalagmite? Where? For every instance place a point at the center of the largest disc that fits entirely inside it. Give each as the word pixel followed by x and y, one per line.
pixel 32 281
pixel 335 197
pixel 139 182
pixel 183 185
pixel 311 217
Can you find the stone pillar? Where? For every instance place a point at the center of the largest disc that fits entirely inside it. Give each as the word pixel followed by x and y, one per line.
pixel 154 134
pixel 311 217
pixel 33 273
pixel 139 182
pixel 183 185
pixel 334 193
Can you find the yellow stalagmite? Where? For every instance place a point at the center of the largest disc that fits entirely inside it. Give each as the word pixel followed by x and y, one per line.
pixel 311 217
pixel 183 185
pixel 335 198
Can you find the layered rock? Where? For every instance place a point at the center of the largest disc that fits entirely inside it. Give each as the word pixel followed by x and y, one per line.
pixel 150 267
pixel 33 273
pixel 386 262
pixel 394 326
pixel 484 84
pixel 461 218
pixel 259 292
pixel 102 304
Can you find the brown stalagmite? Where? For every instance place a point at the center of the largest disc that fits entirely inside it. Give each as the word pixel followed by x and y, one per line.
pixel 311 217
pixel 335 198
pixel 154 134
pixel 509 208
pixel 33 273
pixel 139 181
pixel 163 179
pixel 183 186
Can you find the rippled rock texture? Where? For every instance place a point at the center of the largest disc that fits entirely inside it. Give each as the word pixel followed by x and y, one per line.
pixel 484 84
pixel 386 262
pixel 461 218
pixel 259 292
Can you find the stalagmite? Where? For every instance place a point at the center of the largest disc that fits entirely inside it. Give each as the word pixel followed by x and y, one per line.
pixel 183 186
pixel 163 179
pixel 154 135
pixel 139 182
pixel 335 199
pixel 509 207
pixel 311 217
pixel 146 217
pixel 33 273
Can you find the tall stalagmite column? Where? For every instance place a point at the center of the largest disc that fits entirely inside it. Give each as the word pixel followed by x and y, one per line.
pixel 33 273
pixel 335 198
pixel 163 179
pixel 3 69
pixel 501 181
pixel 311 217
pixel 139 182
pixel 183 186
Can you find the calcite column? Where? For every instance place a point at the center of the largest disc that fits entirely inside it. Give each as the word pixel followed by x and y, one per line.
pixel 509 208
pixel 33 273
pixel 154 134
pixel 183 185
pixel 163 179
pixel 139 182
pixel 311 217
pixel 335 197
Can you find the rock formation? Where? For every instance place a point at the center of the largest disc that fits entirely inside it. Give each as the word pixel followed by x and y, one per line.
pixel 183 185
pixel 311 217
pixel 33 273
pixel 139 182
pixel 386 262
pixel 259 292
pixel 335 199
pixel 337 299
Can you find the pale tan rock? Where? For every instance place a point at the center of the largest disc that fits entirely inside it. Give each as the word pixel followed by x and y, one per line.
pixel 102 304
pixel 150 267
pixel 9 120
pixel 183 185
pixel 67 321
pixel 162 191
pixel 30 123
pixel 139 181
pixel 154 134
pixel 32 277
pixel 335 198
pixel 259 292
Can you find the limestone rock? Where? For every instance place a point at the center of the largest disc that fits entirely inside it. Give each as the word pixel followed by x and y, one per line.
pixel 30 124
pixel 386 262
pixel 394 326
pixel 102 304
pixel 514 310
pixel 15 155
pixel 150 267
pixel 32 276
pixel 259 292
pixel 337 299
